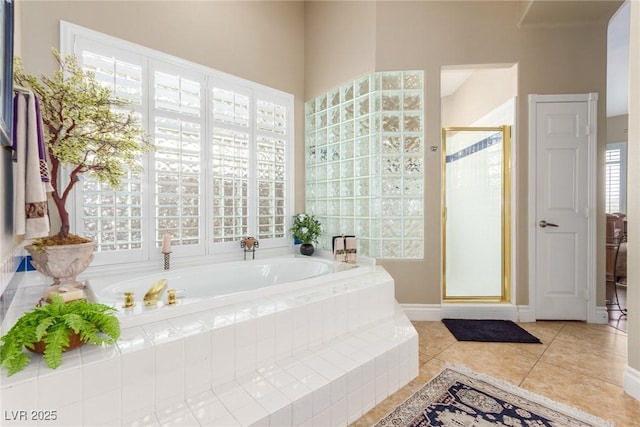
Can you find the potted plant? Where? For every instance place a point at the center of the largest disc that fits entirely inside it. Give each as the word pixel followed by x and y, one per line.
pixel 85 132
pixel 53 328
pixel 306 229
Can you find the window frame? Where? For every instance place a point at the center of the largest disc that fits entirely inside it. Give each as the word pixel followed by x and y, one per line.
pixel 622 147
pixel 73 37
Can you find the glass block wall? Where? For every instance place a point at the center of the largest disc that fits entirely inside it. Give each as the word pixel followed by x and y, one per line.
pixel 364 163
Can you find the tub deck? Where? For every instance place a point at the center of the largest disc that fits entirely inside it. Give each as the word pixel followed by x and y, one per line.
pixel 321 354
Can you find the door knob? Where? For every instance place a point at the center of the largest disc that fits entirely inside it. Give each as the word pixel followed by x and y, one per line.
pixel 544 224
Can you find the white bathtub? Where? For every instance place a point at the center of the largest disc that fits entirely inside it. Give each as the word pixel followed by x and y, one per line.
pixel 337 338
pixel 208 286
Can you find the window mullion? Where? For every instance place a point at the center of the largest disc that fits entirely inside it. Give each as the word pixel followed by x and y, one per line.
pixel 207 213
pixel 252 190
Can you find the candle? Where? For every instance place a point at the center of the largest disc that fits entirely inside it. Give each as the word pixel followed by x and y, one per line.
pixel 166 243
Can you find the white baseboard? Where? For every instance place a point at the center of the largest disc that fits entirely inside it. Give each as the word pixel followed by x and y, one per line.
pixel 422 312
pixel 525 314
pixel 480 311
pixel 601 316
pixel 436 312
pixel 516 313
pixel 631 382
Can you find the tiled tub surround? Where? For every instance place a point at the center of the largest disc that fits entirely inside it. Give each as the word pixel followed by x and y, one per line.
pixel 323 354
pixel 213 285
pixel 205 287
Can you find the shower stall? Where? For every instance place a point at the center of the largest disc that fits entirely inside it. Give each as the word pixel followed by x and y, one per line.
pixel 476 214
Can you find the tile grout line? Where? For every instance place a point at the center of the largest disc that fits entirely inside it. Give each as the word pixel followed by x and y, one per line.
pixel 541 355
pixel 563 367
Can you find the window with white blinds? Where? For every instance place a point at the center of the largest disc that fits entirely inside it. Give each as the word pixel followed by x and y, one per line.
pixel 219 171
pixel 615 177
pixel 178 123
pixel 271 166
pixel 230 160
pixel 113 218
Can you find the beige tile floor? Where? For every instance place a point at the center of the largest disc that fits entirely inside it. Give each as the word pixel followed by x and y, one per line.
pixel 578 364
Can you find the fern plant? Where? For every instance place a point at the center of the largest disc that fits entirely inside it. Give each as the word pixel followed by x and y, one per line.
pixel 52 324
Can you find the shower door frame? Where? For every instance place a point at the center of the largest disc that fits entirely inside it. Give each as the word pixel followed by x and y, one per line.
pixel 505 296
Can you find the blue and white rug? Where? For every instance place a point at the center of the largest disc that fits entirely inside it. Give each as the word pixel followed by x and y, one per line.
pixel 458 397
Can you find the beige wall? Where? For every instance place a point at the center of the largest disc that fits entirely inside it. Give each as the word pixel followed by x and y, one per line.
pixel 272 42
pixel 307 48
pixel 617 128
pixel 432 34
pixel 481 93
pixel 633 197
pixel 258 41
pixel 339 43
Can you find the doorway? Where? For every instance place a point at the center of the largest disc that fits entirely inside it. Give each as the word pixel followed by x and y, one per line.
pixel 562 206
pixel 476 214
pixel 478 110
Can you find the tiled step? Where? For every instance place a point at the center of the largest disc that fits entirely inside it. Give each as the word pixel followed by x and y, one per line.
pixel 331 351
pixel 332 384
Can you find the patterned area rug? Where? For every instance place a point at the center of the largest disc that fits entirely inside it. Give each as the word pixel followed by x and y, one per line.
pixel 458 397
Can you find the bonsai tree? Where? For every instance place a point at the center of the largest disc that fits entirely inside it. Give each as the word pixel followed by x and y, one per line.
pixel 50 326
pixel 84 130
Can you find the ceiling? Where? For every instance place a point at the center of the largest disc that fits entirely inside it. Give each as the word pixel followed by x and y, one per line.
pixel 550 13
pixel 554 13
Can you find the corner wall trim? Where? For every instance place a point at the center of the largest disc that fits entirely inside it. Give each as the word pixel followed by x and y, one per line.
pixel 525 314
pixel 631 382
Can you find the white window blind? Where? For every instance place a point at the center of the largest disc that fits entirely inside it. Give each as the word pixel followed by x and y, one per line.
pixel 615 177
pixel 113 218
pixel 219 171
pixel 178 135
pixel 271 167
pixel 230 145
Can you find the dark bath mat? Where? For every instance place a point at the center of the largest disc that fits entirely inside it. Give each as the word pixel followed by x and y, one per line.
pixel 488 331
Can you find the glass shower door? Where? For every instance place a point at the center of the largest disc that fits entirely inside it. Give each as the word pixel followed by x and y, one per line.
pixel 476 213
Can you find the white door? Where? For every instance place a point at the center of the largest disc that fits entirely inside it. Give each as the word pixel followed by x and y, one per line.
pixel 562 216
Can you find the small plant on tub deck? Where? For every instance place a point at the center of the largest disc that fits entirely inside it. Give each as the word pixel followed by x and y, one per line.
pixel 52 325
pixel 306 228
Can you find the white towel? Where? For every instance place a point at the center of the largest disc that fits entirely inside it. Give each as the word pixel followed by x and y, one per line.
pixel 31 217
pixel 338 248
pixel 351 249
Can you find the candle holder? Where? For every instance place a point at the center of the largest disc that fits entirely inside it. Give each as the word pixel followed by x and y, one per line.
pixel 249 244
pixel 167 260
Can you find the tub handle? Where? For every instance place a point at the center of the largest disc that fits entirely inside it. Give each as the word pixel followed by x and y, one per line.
pixel 128 300
pixel 171 296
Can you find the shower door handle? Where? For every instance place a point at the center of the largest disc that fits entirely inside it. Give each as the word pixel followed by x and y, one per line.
pixel 544 224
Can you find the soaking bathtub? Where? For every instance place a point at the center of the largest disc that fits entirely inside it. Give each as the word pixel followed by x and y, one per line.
pixel 209 286
pixel 323 342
